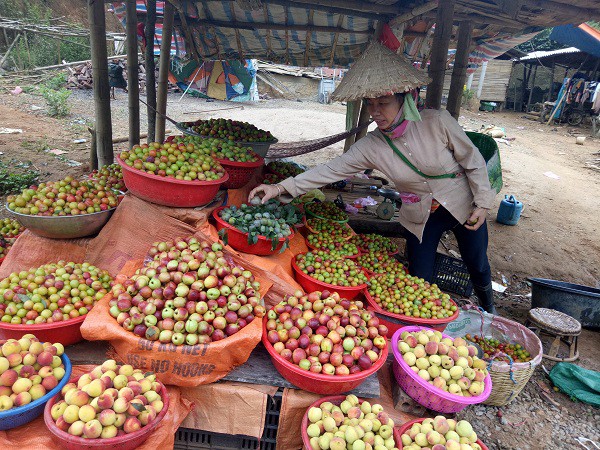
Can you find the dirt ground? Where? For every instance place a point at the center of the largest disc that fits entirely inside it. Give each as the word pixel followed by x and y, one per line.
pixel 557 236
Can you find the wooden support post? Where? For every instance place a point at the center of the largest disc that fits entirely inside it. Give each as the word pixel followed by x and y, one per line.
pixel 163 74
pixel 335 40
pixel 352 112
pixel 551 90
pixel 439 53
pixel 132 74
pixel 363 118
pixel 531 90
pixel 459 73
pixel 150 68
pixel 10 47
pixel 93 150
pixel 103 126
pixel 308 36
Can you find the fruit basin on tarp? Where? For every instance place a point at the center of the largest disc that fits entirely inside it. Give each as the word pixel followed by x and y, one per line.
pixel 35 434
pixel 507 379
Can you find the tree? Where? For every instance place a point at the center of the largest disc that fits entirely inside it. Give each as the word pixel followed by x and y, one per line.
pixel 540 42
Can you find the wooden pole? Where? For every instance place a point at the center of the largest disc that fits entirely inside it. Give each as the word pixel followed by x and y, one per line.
pixel 363 118
pixel 103 126
pixel 551 90
pixel 132 74
pixel 459 72
pixel 163 74
pixel 352 112
pixel 439 53
pixel 93 150
pixel 150 76
pixel 10 47
pixel 532 86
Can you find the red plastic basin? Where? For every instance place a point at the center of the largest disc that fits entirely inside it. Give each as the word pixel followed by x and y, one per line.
pixel 126 442
pixel 66 332
pixel 169 191
pixel 240 173
pixel 317 382
pixel 408 425
pixel 309 284
pixel 397 321
pixel 336 400
pixel 239 240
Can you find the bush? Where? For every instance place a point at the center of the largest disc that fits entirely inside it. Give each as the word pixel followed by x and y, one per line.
pixel 11 183
pixel 57 101
pixel 57 82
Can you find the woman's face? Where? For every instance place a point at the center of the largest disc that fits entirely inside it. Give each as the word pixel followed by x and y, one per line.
pixel 384 109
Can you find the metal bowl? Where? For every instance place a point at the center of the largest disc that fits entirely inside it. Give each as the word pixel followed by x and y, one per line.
pixel 64 227
pixel 388 193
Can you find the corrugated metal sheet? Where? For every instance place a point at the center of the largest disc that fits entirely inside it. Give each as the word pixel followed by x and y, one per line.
pixel 538 55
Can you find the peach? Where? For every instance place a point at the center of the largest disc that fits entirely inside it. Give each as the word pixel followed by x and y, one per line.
pixel 131 425
pixel 135 408
pixel 77 397
pixel 136 387
pixel 22 385
pixel 456 372
pixel 157 405
pixel 9 377
pixel 442 349
pixel 462 351
pixel 120 405
pixel 479 375
pixel 4 364
pixel 403 347
pixel 36 348
pixel 94 404
pixel 95 388
pixel 472 350
pixel 126 370
pixel 142 399
pixel 109 432
pixel 146 385
pixel 45 371
pixel 424 374
pixel 107 417
pixel 67 387
pixel 96 373
pixel 5 390
pixel 461 362
pixel 62 424
pixel 56 362
pixel 50 382
pixel 120 381
pixel 84 380
pixel 112 392
pixel 464 383
pixel 37 391
pixel 10 347
pixel 14 359
pixel 58 373
pixel 29 359
pixel 440 424
pixel 6 403
pixel 479 364
pixel 109 364
pixel 464 428
pixel 110 374
pixel 438 447
pixel 45 358
pixel 92 429
pixel 76 428
pixel 453 353
pixel 138 376
pixel 447 362
pixel 23 398
pixel 58 409
pixel 411 341
pixel 422 338
pixel 26 371
pixel 455 389
pixel 25 343
pixel 439 383
pixel 419 351
pixel 71 414
pixel 147 416
pixel 431 348
pixel 105 401
pixel 409 358
pixel 435 360
pixel 433 437
pixel 422 363
pixel 87 413
pixel 452 445
pixel 120 420
pixel 434 371
pixel 60 349
pixel 476 388
pixel 458 342
pixel 126 393
pixel 106 381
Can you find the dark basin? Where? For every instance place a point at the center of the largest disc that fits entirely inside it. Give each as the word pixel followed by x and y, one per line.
pixel 580 302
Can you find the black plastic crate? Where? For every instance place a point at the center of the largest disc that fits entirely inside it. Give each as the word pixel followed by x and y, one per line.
pixel 189 439
pixel 451 274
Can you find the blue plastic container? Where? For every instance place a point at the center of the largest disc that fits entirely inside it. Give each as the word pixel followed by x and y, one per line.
pixel 509 211
pixel 21 415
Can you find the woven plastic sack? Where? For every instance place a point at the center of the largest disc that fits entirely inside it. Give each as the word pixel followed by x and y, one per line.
pixel 575 381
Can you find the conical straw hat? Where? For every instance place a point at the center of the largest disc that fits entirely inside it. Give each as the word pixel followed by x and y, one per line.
pixel 378 71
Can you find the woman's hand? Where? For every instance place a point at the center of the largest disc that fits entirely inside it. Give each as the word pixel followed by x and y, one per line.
pixel 269 191
pixel 476 220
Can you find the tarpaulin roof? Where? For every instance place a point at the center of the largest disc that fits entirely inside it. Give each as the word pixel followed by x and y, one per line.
pixel 584 37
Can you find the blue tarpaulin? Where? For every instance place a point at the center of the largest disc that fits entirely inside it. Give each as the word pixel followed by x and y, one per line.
pixel 584 37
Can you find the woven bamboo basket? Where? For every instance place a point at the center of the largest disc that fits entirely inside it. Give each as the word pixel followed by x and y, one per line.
pixel 509 380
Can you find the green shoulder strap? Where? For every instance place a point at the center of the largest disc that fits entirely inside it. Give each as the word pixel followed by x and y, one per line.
pixel 411 165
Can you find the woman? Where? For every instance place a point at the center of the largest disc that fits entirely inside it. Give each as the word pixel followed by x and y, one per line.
pixel 440 174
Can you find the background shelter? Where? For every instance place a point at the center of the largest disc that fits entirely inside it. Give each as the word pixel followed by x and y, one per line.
pixel 328 33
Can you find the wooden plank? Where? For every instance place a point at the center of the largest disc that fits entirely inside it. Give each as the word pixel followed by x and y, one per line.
pixel 459 72
pixel 311 14
pixel 335 40
pixel 259 369
pixel 275 26
pixel 414 12
pixel 103 125
pixel 439 53
pixel 133 96
pixel 163 74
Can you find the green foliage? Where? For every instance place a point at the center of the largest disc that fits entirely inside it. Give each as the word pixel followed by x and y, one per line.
pixel 540 42
pixel 57 101
pixel 468 94
pixel 13 182
pixel 57 82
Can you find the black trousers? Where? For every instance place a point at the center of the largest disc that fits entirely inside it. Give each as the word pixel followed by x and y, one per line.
pixel 472 245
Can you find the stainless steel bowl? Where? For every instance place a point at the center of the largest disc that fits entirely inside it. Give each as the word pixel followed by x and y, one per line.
pixel 64 227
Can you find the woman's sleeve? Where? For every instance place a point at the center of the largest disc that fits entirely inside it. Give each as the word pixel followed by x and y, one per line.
pixel 470 159
pixel 340 168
